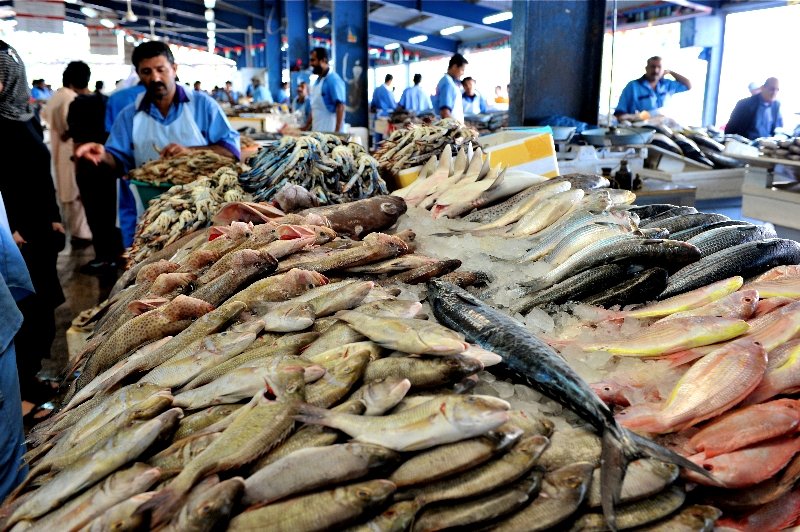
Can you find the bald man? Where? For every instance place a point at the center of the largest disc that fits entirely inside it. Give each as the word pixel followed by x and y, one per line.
pixel 758 115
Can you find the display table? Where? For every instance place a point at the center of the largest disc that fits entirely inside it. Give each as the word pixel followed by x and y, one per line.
pixel 659 191
pixel 770 196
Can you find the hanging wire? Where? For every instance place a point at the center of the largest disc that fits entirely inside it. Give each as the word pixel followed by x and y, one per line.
pixel 611 69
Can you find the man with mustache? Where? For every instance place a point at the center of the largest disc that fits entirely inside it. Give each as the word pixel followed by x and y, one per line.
pixel 164 121
pixel 328 94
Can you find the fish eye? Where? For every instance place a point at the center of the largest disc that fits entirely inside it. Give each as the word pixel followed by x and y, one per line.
pixel 362 494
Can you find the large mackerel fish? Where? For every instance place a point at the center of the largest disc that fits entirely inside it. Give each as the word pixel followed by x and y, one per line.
pixel 547 372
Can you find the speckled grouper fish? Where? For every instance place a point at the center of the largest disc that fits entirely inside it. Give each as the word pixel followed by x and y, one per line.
pixel 548 373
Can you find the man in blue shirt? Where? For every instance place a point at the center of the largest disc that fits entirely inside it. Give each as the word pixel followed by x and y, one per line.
pixel 39 91
pixel 328 94
pixel 302 105
pixel 650 92
pixel 448 91
pixel 383 98
pixel 165 121
pixel 415 99
pixel 474 102
pixel 228 95
pixel 283 94
pixel 259 92
pixel 758 115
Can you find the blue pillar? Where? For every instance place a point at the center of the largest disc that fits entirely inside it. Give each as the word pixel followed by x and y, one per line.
pixel 351 54
pixel 272 38
pixel 573 88
pixel 297 35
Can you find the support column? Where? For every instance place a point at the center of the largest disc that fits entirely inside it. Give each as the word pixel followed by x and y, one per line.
pixel 272 38
pixel 714 30
pixel 351 54
pixel 569 34
pixel 297 34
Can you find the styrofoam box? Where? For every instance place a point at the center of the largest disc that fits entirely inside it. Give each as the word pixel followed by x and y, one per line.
pixel 711 184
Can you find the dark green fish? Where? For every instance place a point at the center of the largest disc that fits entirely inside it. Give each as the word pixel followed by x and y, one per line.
pixel 642 287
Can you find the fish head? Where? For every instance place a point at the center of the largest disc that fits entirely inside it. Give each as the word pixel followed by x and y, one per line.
pixel 234 342
pixel 388 391
pixel 486 357
pixel 149 272
pixel 393 308
pixel 573 478
pixel 373 492
pixel 167 282
pixel 531 424
pixel 462 365
pixel 307 279
pixel 288 382
pixel 392 241
pixel 152 406
pixel 313 373
pixel 214 503
pixel 167 422
pixel 352 361
pixel 532 446
pixel 238 230
pixel 475 414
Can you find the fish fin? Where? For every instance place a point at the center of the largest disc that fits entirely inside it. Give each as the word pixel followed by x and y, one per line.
pixel 312 414
pixel 651 449
pixel 614 458
pixel 162 506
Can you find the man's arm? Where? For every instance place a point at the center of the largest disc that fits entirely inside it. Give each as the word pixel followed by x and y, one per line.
pixel 683 80
pixel 445 112
pixel 625 106
pixel 339 116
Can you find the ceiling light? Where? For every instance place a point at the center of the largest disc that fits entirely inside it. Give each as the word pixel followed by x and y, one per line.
pixel 321 23
pixel 310 31
pixel 89 11
pixel 418 39
pixel 392 46
pixel 212 44
pixel 107 23
pixel 130 16
pixel 451 30
pixel 209 3
pixel 209 14
pixel 130 39
pixel 211 26
pixel 211 34
pixel 498 17
pixel 284 47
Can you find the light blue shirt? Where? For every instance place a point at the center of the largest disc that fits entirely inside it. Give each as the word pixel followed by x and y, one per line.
pixel 383 100
pixel 208 116
pixel 119 100
pixel 469 104
pixel 304 107
pixel 639 96
pixel 283 96
pixel 261 94
pixel 415 99
pixel 446 93
pixel 333 90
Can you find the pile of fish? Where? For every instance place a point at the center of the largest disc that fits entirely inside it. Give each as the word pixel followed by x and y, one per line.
pixel 415 144
pixel 183 209
pixel 780 148
pixel 697 144
pixel 334 170
pixel 450 186
pixel 182 169
pixel 219 376
pixel 252 107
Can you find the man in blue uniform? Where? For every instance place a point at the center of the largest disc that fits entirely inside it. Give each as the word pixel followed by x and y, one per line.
pixel 165 121
pixel 415 99
pixel 758 115
pixel 474 102
pixel 448 91
pixel 328 94
pixel 383 98
pixel 650 92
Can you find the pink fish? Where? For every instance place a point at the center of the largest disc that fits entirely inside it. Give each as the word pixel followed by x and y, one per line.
pixel 779 514
pixel 747 426
pixel 765 306
pixel 740 305
pixel 780 287
pixel 782 375
pixel 779 272
pixel 710 387
pixel 749 466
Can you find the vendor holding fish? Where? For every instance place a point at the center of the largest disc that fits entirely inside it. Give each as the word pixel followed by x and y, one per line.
pixel 164 121
pixel 649 93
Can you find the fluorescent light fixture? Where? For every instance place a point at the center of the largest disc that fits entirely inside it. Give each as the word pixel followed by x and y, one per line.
pixel 209 14
pixel 209 3
pixel 418 39
pixel 89 11
pixel 107 23
pixel 130 39
pixel 392 46
pixel 498 17
pixel 321 23
pixel 284 47
pixel 451 30
pixel 212 43
pixel 211 34
pixel 310 31
pixel 211 26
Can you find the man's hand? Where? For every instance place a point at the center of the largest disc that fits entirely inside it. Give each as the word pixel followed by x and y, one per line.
pixel 59 227
pixel 18 240
pixel 91 151
pixel 173 150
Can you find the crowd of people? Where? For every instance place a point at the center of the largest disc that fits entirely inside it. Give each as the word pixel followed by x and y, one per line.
pixel 454 96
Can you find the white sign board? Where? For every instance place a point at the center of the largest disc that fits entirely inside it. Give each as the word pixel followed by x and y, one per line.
pixel 46 16
pixel 103 41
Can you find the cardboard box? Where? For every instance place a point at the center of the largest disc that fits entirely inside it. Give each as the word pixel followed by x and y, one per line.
pixel 528 149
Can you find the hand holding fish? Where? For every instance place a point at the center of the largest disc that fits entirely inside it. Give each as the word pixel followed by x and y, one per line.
pixel 172 150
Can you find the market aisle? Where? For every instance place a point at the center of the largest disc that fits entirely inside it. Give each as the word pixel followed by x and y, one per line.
pixel 82 292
